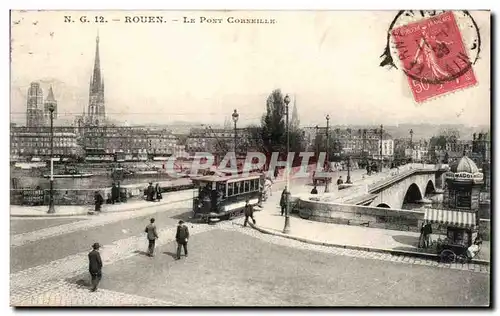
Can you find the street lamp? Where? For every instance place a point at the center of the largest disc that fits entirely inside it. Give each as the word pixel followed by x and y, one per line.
pixel 348 181
pixel 235 116
pixel 51 210
pixel 381 141
pixel 327 179
pixel 286 229
pixel 411 145
pixel 317 143
pixel 364 145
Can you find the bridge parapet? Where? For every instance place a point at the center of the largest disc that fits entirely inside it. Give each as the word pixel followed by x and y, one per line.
pixel 399 174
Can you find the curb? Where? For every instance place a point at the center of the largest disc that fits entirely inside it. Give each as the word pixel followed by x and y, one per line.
pixel 369 249
pixel 104 212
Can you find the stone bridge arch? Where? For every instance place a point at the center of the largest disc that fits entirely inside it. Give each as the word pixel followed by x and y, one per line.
pixel 411 188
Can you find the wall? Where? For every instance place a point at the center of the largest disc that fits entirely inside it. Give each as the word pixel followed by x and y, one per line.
pixel 86 196
pixel 485 228
pixel 376 217
pixel 367 216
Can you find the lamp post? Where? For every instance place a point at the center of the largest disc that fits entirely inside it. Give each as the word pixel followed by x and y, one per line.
pixel 51 196
pixel 327 179
pixel 381 141
pixel 411 145
pixel 317 143
pixel 286 229
pixel 364 145
pixel 235 116
pixel 348 181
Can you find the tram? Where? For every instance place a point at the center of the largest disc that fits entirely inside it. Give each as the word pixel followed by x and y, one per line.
pixel 221 197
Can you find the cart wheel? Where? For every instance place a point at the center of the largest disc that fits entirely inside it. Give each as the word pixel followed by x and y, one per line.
pixel 447 256
pixel 462 258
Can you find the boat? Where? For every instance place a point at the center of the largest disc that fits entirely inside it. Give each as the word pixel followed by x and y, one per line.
pixel 75 175
pixel 146 172
pixel 70 174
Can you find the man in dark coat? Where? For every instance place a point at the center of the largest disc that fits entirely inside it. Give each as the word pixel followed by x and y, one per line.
pixel 150 192
pixel 427 231
pixel 152 235
pixel 158 192
pixel 284 200
pixel 98 200
pixel 114 193
pixel 95 266
pixel 182 237
pixel 248 213
pixel 314 190
pixel 340 181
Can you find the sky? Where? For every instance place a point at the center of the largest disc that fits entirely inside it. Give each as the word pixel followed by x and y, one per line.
pixel 159 73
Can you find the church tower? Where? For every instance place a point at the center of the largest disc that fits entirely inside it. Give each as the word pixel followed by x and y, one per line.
pixel 295 115
pixel 50 101
pixel 96 114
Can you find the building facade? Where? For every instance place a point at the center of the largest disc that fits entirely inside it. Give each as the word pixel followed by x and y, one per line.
pixel 129 140
pixel 29 142
pixel 219 140
pixel 356 142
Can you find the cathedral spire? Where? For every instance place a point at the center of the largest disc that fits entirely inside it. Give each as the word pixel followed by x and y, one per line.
pixel 50 97
pixel 96 74
pixel 295 115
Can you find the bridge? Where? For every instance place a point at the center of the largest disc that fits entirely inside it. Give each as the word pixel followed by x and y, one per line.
pixel 409 184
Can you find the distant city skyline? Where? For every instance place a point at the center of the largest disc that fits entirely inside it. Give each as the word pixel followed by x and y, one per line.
pixel 202 73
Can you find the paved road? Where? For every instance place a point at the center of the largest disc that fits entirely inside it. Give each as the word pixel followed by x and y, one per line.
pixel 227 268
pixel 53 248
pixel 25 225
pixel 228 265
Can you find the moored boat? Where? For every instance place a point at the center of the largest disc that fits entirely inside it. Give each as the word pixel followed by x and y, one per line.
pixel 75 175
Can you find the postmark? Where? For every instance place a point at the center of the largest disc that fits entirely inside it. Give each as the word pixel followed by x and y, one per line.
pixel 436 54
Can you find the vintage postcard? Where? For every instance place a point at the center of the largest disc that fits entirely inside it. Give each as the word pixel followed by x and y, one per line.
pixel 300 158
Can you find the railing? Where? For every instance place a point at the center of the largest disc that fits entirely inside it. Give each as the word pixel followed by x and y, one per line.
pixel 401 173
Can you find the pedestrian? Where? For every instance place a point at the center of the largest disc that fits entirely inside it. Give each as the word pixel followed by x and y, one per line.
pixel 427 231
pixel 95 266
pixel 150 192
pixel 340 181
pixel 152 235
pixel 114 193
pixel 284 200
pixel 98 200
pixel 158 192
pixel 182 237
pixel 248 213
pixel 314 190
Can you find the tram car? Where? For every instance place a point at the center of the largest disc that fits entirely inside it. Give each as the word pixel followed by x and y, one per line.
pixel 221 197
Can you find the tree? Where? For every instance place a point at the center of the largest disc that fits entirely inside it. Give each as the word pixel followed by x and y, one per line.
pixel 334 153
pixel 254 141
pixel 273 132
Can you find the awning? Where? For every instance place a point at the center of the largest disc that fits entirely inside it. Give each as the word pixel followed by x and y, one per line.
pixel 451 218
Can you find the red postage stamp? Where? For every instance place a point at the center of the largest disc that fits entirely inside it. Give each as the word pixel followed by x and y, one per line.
pixel 433 56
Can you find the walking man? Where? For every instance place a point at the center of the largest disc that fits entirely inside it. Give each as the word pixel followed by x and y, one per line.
pixel 427 231
pixel 95 266
pixel 98 200
pixel 182 237
pixel 152 236
pixel 248 213
pixel 283 200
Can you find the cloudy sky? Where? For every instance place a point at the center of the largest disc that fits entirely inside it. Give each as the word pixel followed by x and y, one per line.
pixel 159 73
